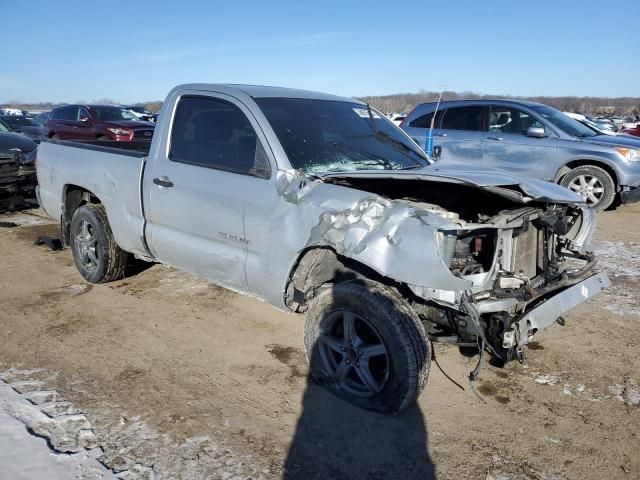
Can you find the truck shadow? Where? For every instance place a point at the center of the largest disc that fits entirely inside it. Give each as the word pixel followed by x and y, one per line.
pixel 336 440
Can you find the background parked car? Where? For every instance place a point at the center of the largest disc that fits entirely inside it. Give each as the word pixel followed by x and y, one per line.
pixel 139 111
pixel 26 126
pixel 532 139
pixel 96 122
pixel 17 167
pixel 605 124
pixel 42 117
pixel 590 124
pixel 397 120
pixel 635 131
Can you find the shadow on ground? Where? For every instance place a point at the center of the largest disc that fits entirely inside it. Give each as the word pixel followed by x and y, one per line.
pixel 335 440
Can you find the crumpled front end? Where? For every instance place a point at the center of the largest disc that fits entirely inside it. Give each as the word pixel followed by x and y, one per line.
pixel 519 264
pixel 480 270
pixel 17 176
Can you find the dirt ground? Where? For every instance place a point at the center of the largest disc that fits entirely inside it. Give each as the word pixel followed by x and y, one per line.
pixel 182 379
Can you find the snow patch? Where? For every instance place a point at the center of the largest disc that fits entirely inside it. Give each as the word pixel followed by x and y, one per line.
pixel 622 264
pixel 547 378
pixel 627 392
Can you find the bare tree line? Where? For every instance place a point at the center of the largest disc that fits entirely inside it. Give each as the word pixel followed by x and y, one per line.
pixel 404 102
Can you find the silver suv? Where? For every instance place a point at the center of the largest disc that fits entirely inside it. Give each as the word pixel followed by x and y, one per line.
pixel 531 139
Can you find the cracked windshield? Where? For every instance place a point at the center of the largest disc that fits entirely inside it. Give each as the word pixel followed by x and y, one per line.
pixel 323 136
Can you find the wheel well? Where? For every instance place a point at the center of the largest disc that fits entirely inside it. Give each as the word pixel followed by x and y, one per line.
pixel 319 267
pixel 74 197
pixel 581 163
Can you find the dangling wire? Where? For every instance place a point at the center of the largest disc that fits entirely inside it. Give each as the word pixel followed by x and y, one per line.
pixel 435 360
pixel 475 373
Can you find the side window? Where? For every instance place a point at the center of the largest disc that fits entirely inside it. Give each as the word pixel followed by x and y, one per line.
pixel 511 120
pixel 527 121
pixel 424 121
pixel 56 114
pixel 82 112
pixel 464 118
pixel 214 133
pixel 70 114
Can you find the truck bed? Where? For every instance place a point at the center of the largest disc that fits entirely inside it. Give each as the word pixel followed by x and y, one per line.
pixel 112 171
pixel 134 148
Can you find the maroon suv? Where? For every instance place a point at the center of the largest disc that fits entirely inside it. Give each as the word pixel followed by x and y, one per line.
pixel 96 122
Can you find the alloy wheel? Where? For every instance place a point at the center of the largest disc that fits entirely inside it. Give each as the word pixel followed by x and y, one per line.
pixel 352 351
pixel 87 246
pixel 589 187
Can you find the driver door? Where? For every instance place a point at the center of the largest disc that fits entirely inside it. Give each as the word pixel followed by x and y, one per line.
pixel 211 192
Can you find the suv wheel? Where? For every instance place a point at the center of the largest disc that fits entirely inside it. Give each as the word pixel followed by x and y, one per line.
pixel 367 346
pixel 593 184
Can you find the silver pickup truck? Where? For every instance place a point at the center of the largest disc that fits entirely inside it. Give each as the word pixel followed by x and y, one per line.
pixel 318 204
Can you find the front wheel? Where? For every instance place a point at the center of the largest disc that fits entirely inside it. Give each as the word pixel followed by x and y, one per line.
pixel 593 184
pixel 367 346
pixel 96 254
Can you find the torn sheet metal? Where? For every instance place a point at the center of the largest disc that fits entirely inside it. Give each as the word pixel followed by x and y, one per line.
pixel 394 238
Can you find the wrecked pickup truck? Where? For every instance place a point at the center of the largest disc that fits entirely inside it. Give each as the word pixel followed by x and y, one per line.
pixel 318 204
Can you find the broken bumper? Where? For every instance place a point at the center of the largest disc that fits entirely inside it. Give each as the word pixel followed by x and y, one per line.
pixel 554 307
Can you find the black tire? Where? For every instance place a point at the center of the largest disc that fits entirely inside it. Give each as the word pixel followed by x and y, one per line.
pixel 603 189
pixel 55 137
pixel 102 138
pixel 96 254
pixel 380 315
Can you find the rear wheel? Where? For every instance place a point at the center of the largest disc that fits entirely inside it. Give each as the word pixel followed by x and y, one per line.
pixel 593 184
pixel 96 254
pixel 367 346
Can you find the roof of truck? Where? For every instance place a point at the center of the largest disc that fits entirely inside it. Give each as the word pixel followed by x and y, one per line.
pixel 262 91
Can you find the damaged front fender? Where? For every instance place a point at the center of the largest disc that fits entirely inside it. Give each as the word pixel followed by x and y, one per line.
pixel 393 238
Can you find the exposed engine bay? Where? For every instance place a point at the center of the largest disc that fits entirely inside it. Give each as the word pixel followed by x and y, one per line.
pixel 514 255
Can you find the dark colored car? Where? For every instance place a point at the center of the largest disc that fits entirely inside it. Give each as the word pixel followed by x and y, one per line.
pixel 42 117
pixel 17 165
pixel 96 122
pixel 632 131
pixel 27 126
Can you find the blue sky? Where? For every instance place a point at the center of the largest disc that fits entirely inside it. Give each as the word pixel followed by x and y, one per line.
pixel 66 51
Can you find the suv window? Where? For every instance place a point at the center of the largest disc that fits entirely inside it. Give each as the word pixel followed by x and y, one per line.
pixel 65 113
pixel 424 121
pixel 214 133
pixel 511 120
pixel 463 118
pixel 82 112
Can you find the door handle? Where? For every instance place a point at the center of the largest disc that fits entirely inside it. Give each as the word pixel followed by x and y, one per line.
pixel 163 181
pixel 440 135
pixel 497 139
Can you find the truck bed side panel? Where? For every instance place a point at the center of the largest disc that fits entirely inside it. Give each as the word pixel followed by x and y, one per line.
pixel 112 177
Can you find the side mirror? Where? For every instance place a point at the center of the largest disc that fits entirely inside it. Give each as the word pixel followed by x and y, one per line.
pixel 85 120
pixel 536 132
